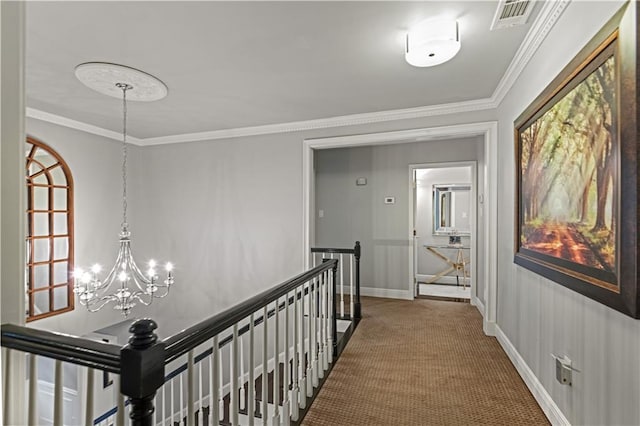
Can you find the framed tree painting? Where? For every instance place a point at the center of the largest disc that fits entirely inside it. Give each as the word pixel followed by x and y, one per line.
pixel 577 171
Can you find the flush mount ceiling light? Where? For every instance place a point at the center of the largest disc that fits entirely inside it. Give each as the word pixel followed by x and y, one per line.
pixel 125 285
pixel 432 42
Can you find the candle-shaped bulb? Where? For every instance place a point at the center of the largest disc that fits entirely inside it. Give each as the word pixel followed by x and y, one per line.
pixel 152 264
pixel 169 267
pixel 122 276
pixel 77 273
pixel 151 272
pixel 96 268
pixel 86 278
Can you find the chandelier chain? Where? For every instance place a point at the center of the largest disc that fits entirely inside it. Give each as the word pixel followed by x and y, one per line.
pixel 124 88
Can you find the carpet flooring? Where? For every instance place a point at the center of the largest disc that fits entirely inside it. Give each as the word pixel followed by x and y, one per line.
pixel 423 362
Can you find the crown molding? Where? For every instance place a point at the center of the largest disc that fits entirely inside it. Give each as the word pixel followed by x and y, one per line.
pixel 323 123
pixel 546 19
pixel 79 125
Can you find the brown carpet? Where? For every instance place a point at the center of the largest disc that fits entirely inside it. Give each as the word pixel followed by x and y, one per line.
pixel 423 362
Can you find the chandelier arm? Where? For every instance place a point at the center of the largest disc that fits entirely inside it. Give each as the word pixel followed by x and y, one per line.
pixel 138 275
pixel 91 305
pixel 141 300
pixel 111 276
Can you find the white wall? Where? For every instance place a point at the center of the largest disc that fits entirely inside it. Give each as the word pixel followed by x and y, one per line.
pixel 540 317
pixel 358 212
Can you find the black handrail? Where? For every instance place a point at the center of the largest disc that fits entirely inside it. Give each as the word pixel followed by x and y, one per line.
pixel 356 251
pixel 184 341
pixel 141 363
pixel 72 349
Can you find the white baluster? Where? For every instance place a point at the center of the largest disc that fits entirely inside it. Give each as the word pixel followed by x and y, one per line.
pixel 341 284
pixel 265 370
pixel 182 416
pixel 276 367
pixel 314 332
pixel 351 281
pixel 221 387
pixel 286 416
pixel 6 385
pixel 309 375
pixel 330 306
pixel 294 367
pixel 251 398
pixel 200 396
pixel 120 415
pixel 233 408
pixel 58 395
pixel 88 407
pixel 172 402
pixel 241 401
pixel 190 397
pixel 302 371
pixel 164 404
pixel 214 379
pixel 156 409
pixel 322 344
pixel 33 390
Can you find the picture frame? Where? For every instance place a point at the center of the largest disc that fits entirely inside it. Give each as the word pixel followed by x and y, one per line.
pixel 576 161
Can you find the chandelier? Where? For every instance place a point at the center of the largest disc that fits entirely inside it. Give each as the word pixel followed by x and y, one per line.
pixel 126 284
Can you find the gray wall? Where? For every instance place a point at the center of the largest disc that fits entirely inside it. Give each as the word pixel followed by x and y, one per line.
pixel 358 212
pixel 541 317
pixel 228 213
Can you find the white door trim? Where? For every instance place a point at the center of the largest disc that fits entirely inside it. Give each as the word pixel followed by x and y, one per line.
pixel 488 130
pixel 474 231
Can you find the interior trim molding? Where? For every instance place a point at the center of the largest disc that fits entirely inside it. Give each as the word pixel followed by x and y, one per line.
pixel 386 293
pixel 487 130
pixel 475 301
pixel 547 18
pixel 546 402
pixel 79 125
pixel 543 23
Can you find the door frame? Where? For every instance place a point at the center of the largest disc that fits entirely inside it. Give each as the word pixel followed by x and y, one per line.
pixel 413 250
pixel 487 130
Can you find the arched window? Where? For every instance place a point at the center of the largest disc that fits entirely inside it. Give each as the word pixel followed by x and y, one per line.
pixel 49 232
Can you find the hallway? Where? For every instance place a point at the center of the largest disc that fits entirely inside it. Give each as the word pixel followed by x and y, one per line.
pixel 423 362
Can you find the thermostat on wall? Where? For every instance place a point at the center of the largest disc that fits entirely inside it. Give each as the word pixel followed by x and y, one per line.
pixel 389 200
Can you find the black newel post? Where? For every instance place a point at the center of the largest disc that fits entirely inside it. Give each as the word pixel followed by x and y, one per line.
pixel 142 370
pixel 356 305
pixel 334 273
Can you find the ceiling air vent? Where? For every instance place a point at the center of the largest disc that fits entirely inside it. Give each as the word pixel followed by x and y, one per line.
pixel 511 13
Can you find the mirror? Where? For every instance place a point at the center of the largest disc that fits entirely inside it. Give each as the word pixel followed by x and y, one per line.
pixel 452 209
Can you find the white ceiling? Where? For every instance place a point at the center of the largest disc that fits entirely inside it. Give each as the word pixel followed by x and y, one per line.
pixel 232 65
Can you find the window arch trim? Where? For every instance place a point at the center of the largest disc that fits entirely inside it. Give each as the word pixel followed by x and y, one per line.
pixel 51 186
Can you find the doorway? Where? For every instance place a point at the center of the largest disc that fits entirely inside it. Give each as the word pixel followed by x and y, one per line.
pixel 485 297
pixel 444 229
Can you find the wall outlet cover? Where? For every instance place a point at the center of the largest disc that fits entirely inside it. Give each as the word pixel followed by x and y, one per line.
pixel 389 200
pixel 361 181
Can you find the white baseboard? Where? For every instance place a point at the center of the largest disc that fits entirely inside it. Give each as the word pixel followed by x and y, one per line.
pixel 541 395
pixel 478 304
pixel 447 279
pixel 385 292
